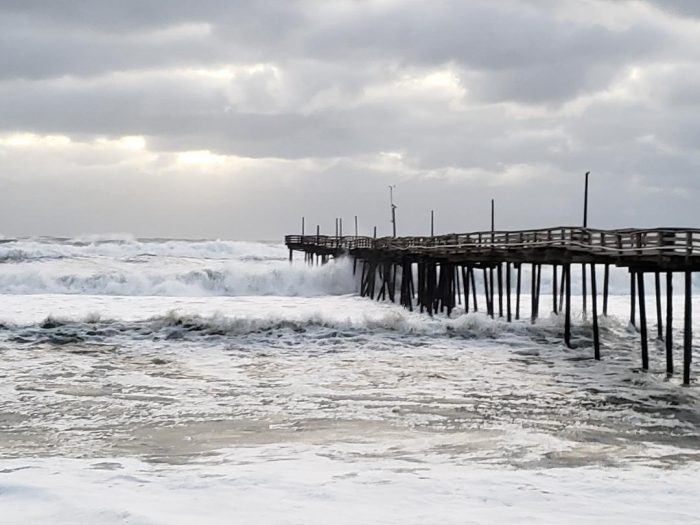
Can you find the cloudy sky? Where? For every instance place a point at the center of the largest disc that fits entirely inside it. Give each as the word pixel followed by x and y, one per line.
pixel 232 119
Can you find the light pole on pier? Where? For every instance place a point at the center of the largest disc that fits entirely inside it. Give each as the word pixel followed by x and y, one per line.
pixel 585 202
pixel 393 209
pixel 584 283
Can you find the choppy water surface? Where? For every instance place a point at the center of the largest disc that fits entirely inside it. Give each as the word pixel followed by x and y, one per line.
pixel 195 355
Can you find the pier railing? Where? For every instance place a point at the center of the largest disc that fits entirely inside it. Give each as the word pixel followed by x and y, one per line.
pixel 672 242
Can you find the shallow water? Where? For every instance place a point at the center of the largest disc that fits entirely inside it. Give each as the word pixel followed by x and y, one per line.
pixel 111 376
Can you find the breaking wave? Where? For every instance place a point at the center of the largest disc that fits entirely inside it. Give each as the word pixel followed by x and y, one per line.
pixel 124 247
pixel 180 325
pixel 233 278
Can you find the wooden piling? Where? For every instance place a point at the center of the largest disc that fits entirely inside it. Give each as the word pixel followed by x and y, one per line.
pixel 392 282
pixel 431 285
pixel 584 290
pixel 499 271
pixel 458 284
pixel 562 286
pixel 465 282
pixel 472 279
pixel 364 283
pixel 533 294
pixel 555 290
pixel 633 299
pixel 509 314
pixel 643 319
pixel 487 294
pixel 594 308
pixel 566 271
pixel 606 289
pixel 659 318
pixel 669 323
pixel 518 284
pixel 492 288
pixel 538 288
pixel 688 328
pixel 450 288
pixel 421 285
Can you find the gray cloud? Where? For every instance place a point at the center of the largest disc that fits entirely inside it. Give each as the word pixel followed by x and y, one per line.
pixel 454 103
pixel 680 7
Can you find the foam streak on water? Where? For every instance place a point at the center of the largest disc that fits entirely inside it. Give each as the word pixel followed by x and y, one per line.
pixel 173 370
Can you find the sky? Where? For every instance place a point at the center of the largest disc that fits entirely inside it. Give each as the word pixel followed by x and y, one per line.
pixel 232 119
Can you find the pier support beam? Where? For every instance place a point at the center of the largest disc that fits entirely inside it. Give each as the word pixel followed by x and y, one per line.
pixel 488 294
pixel 633 298
pixel 465 282
pixel 421 285
pixel 659 318
pixel 688 328
pixel 584 290
pixel 594 308
pixel 472 279
pixel 431 285
pixel 566 271
pixel 499 274
pixel 669 323
pixel 606 289
pixel 555 290
pixel 533 295
pixel 509 313
pixel 539 287
pixel 492 291
pixel 643 320
pixel 517 291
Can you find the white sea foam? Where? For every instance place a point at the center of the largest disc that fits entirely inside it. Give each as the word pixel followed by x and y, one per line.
pixel 308 484
pixel 125 247
pixel 178 277
pixel 218 373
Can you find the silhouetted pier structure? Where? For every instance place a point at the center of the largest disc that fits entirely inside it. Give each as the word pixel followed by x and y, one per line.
pixel 434 273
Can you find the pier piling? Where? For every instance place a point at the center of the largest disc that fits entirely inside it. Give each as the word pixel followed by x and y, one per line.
pixel 669 323
pixel 688 328
pixel 643 320
pixel 594 311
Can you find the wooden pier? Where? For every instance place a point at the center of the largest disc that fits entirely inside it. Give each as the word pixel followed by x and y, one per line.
pixel 435 273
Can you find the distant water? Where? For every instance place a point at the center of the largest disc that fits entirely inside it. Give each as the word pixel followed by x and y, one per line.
pixel 173 381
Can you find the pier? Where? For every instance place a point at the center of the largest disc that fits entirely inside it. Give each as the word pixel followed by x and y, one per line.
pixel 432 274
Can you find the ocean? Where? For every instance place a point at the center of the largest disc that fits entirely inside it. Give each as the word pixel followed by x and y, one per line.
pixel 177 382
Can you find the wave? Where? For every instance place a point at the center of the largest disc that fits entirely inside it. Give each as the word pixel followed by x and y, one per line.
pixel 125 247
pixel 232 278
pixel 180 325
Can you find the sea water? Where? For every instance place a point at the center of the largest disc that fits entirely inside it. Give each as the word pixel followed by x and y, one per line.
pixel 163 381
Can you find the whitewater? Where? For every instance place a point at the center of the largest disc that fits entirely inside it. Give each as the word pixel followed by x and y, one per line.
pixel 167 381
